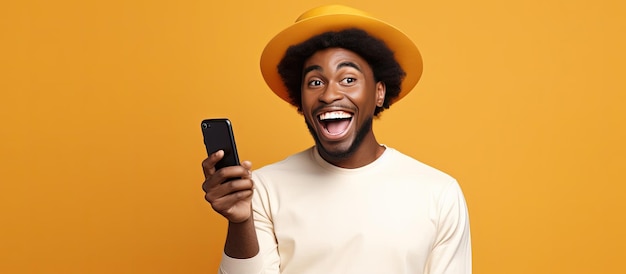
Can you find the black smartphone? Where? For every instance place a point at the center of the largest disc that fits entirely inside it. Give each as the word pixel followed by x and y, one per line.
pixel 218 134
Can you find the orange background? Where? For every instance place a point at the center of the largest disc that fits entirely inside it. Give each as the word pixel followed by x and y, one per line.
pixel 522 102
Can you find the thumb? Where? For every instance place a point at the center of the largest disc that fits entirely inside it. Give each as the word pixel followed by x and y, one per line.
pixel 247 165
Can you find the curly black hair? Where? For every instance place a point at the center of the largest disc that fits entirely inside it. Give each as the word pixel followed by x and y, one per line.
pixel 379 57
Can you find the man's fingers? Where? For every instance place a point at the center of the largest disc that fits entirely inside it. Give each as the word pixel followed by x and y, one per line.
pixel 231 190
pixel 208 165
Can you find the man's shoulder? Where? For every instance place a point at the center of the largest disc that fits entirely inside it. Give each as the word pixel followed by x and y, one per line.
pixel 415 167
pixel 299 160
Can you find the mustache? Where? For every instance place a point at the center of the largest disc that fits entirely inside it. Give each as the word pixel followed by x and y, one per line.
pixel 334 106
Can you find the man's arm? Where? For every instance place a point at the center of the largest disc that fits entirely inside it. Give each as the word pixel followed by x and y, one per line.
pixel 267 260
pixel 241 240
pixel 233 200
pixel 452 252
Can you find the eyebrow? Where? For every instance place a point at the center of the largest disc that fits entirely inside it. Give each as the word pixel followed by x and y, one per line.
pixel 341 65
pixel 349 64
pixel 311 68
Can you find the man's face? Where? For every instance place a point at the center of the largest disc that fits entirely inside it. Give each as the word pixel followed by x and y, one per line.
pixel 339 96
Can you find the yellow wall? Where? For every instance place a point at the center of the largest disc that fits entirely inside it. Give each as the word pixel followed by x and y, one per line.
pixel 521 101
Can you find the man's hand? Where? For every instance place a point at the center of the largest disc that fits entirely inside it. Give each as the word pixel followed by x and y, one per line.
pixel 228 190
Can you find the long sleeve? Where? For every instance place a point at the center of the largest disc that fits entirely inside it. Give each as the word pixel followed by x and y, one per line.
pixel 451 253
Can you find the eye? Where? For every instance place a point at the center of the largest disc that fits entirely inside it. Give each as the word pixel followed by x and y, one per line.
pixel 315 83
pixel 348 80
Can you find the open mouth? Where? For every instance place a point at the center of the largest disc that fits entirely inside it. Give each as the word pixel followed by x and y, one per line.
pixel 335 122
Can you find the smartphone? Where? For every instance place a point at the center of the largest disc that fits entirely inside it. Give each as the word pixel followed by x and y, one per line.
pixel 218 134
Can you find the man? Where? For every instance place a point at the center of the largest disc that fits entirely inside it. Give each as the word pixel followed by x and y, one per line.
pixel 348 204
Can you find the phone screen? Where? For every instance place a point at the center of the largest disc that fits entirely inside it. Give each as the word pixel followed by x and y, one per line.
pixel 218 134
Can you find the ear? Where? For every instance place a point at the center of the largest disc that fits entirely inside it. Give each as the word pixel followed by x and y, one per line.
pixel 381 90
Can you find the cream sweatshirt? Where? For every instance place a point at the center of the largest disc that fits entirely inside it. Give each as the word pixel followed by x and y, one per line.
pixel 395 215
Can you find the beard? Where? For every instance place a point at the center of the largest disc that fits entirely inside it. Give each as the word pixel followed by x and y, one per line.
pixel 360 136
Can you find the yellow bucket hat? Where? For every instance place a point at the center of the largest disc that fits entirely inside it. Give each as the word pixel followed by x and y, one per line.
pixel 336 18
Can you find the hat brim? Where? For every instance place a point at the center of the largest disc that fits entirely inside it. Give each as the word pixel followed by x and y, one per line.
pixel 405 51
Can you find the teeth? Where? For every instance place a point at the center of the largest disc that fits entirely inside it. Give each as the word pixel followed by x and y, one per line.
pixel 334 115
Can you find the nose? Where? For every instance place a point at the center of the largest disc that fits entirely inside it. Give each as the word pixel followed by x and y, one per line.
pixel 330 94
